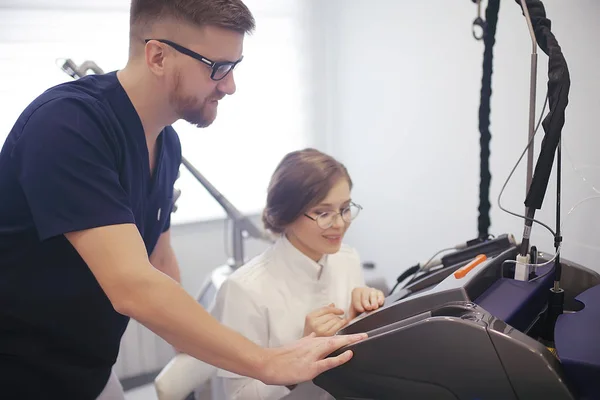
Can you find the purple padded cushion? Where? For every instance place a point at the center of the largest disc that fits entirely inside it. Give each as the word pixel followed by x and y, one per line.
pixel 577 341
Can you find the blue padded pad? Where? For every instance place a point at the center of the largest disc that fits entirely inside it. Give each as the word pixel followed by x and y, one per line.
pixel 577 342
pixel 517 303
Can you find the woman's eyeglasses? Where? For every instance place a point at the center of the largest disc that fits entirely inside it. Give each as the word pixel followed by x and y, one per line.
pixel 327 219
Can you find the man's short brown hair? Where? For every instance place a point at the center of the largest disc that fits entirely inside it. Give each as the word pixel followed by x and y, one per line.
pixel 228 14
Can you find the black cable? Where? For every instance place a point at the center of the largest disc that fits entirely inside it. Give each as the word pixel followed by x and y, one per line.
pixel 405 275
pixel 513 171
pixel 489 38
pixel 426 274
pixel 544 274
pixel 559 83
pixel 422 268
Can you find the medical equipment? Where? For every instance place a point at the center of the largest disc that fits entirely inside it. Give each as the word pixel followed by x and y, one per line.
pixel 489 247
pixel 521 324
pixel 76 72
pixel 479 25
pixel 489 39
pixel 472 334
pixel 558 92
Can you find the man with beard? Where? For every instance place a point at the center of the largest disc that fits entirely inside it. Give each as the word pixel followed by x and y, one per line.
pixel 86 183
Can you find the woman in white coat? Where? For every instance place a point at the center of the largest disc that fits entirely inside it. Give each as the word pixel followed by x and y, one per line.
pixel 307 282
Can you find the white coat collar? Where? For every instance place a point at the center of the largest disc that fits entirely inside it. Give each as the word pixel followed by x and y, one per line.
pixel 298 262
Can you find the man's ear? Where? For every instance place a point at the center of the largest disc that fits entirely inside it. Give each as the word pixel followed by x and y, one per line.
pixel 155 57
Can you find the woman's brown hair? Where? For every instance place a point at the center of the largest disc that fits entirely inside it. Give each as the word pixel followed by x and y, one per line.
pixel 301 180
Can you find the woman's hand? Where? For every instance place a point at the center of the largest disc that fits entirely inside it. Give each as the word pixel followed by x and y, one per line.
pixel 325 321
pixel 365 299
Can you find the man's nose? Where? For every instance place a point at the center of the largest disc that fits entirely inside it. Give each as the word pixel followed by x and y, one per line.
pixel 227 84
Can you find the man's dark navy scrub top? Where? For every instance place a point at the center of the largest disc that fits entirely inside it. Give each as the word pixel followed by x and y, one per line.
pixel 76 158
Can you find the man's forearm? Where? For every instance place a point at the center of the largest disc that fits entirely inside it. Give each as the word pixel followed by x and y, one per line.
pixel 168 264
pixel 165 308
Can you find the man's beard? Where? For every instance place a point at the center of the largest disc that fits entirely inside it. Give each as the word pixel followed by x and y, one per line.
pixel 193 113
pixel 189 108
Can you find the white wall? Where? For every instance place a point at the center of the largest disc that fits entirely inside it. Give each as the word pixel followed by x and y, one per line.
pixel 401 86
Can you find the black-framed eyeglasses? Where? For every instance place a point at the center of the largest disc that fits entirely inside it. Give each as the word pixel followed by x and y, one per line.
pixel 327 219
pixel 220 69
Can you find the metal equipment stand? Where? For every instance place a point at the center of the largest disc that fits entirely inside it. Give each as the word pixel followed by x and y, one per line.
pixel 242 226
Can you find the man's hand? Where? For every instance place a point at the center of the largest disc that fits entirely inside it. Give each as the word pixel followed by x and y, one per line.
pixel 365 299
pixel 306 358
pixel 324 321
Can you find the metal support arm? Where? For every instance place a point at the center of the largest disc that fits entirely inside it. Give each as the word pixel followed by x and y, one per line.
pixel 242 226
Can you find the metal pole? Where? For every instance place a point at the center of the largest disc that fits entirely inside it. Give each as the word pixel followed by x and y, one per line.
pixel 532 95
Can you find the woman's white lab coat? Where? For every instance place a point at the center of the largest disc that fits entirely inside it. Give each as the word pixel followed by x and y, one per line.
pixel 267 301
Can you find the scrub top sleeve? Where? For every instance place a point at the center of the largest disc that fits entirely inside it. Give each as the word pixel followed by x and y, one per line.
pixel 66 163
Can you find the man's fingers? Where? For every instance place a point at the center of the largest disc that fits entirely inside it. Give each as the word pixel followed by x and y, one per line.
pixel 331 344
pixel 335 342
pixel 332 362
